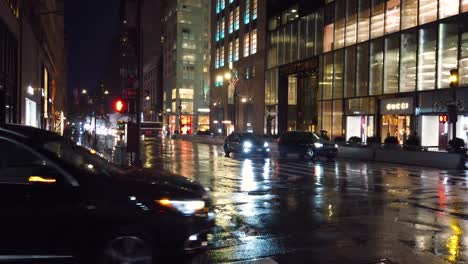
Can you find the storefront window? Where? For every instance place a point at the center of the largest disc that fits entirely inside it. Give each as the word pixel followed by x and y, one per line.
pixel 392 55
pixel 327 116
pixel 319 115
pixel 339 24
pixel 376 67
pixel 363 20
pixel 392 16
pixel 396 126
pixel 337 128
pixel 292 90
pixel 377 19
pixel 448 53
pixel 448 8
pixel 362 69
pixel 338 75
pixel 463 72
pixel 360 126
pixel 408 62
pixel 328 76
pixel 428 125
pixel 351 22
pixel 350 72
pixel 427 11
pixel 427 59
pixel 409 14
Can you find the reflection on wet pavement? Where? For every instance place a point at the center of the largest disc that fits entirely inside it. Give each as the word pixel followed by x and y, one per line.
pixel 295 211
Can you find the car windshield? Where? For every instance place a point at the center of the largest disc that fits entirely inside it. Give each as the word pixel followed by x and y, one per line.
pixel 313 135
pixel 81 158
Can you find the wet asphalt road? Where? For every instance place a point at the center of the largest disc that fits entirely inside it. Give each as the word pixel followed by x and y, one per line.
pixel 294 211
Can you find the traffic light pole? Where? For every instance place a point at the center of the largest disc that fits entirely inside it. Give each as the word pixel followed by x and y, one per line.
pixel 137 160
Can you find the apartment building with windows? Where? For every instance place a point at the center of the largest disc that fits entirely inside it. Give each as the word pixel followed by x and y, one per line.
pixel 368 68
pixel 238 51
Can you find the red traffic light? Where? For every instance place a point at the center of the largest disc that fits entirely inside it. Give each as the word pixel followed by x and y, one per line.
pixel 119 105
pixel 443 119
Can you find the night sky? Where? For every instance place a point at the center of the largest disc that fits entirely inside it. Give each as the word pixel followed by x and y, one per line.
pixel 89 26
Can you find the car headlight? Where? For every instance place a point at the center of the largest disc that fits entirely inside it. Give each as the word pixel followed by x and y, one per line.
pixel 265 145
pixel 318 145
pixel 185 207
pixel 247 144
pixel 336 145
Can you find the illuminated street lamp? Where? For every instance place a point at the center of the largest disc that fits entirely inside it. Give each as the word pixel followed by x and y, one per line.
pixel 106 92
pixel 147 98
pixel 228 76
pixel 244 100
pixel 84 91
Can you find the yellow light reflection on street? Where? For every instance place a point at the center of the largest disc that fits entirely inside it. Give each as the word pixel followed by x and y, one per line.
pixel 454 241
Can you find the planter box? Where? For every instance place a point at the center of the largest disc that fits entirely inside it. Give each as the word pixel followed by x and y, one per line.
pixel 441 160
pixel 355 153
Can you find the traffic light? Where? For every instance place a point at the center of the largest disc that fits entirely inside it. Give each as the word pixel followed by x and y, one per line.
pixel 453 78
pixel 120 105
pixel 443 119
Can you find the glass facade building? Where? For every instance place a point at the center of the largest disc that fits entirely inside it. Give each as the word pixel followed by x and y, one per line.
pixel 374 68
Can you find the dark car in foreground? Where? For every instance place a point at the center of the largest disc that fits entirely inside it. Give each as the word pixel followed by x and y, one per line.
pixel 246 144
pixel 306 144
pixel 62 201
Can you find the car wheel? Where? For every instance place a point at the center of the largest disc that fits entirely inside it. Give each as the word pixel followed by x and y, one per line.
pixel 127 249
pixel 309 153
pixel 226 151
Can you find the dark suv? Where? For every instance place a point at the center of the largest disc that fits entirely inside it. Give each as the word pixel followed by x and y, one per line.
pixel 246 144
pixel 62 201
pixel 307 144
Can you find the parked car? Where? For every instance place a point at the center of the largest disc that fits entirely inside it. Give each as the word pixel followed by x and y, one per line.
pixel 307 144
pixel 59 200
pixel 246 144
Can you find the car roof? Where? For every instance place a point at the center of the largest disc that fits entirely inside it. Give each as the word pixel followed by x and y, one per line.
pixel 35 135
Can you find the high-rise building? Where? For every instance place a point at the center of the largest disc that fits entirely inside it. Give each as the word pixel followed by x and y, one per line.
pixel 32 63
pixel 186 60
pixel 368 69
pixel 237 65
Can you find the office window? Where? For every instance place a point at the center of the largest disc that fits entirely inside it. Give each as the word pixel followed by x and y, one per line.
pixel 231 1
pixel 186 94
pixel 236 18
pixel 392 16
pixel 246 45
pixel 351 22
pixel 338 74
pixel 463 72
pixel 254 9
pixel 222 28
pixel 376 67
pixel 236 50
pixel 408 48
pixel 362 69
pixel 217 59
pixel 247 12
pixel 350 72
pixel 339 24
pixel 218 6
pixel 448 8
pixel 427 58
pixel 217 31
pixel 253 42
pixel 319 26
pixel 448 53
pixel 328 38
pixel 247 73
pixel 231 52
pixel 231 22
pixel 464 4
pixel 302 37
pixel 310 35
pixel 223 4
pixel 409 14
pixel 188 72
pixel 427 11
pixel 293 39
pixel 377 18
pixel 221 57
pixel 363 20
pixel 328 76
pixel 287 44
pixel 392 55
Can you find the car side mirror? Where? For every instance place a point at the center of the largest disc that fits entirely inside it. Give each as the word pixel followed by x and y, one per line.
pixel 43 176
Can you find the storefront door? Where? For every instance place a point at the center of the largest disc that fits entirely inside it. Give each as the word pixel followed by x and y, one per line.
pixel 396 126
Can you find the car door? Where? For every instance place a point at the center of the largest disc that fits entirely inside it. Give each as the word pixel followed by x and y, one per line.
pixel 38 205
pixel 235 143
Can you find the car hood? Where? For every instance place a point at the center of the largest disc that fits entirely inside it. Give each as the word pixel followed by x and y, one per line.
pixel 158 185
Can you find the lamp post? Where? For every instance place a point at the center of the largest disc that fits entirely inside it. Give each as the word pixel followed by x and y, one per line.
pixel 232 78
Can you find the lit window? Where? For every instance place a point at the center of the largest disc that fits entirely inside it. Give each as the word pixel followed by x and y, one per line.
pixel 409 14
pixel 217 31
pixel 247 73
pixel 392 15
pixel 218 6
pixel 363 20
pixel 246 45
pixel 186 93
pixel 223 4
pixel 377 18
pixel 217 59
pixel 427 11
pixel 231 50
pixel 221 35
pixel 231 1
pixel 253 42
pixel 236 49
pixel 247 12
pixel 221 58
pixel 236 18
pixel 231 22
pixel 328 38
pixel 254 9
pixel 448 8
pixel 464 4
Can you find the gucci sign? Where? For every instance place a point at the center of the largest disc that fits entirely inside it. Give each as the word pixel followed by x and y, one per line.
pixel 397 106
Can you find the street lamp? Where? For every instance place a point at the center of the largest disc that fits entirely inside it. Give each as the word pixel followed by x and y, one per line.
pixel 147 98
pixel 244 100
pixel 84 91
pixel 106 92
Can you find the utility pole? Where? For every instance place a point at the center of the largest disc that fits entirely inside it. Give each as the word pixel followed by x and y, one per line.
pixel 137 161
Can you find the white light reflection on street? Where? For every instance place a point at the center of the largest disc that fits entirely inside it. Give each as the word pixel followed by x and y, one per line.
pixel 247 182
